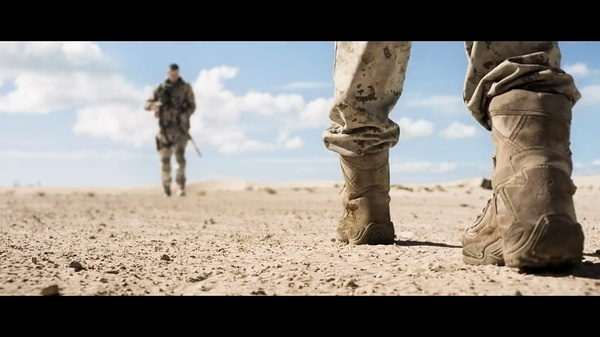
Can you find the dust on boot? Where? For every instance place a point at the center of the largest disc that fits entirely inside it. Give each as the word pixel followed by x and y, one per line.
pixel 366 201
pixel 181 186
pixel 530 221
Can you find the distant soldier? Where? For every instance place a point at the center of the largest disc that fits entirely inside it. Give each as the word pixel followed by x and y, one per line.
pixel 173 103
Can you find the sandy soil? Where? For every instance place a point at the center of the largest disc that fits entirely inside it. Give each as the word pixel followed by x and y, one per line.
pixel 239 238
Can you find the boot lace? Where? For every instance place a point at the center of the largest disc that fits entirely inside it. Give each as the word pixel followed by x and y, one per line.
pixel 487 205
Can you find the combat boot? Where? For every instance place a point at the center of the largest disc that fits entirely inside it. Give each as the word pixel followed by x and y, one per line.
pixel 167 189
pixel 530 221
pixel 366 200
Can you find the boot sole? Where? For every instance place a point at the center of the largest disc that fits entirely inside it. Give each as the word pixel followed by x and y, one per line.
pixel 373 234
pixel 492 254
pixel 555 242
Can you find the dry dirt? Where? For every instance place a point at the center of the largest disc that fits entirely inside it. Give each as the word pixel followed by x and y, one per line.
pixel 235 238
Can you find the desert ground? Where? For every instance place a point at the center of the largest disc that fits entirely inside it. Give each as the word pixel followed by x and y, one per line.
pixel 247 238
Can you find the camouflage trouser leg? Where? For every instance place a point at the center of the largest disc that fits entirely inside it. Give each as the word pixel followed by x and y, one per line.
pixel 369 77
pixel 180 159
pixel 496 67
pixel 165 154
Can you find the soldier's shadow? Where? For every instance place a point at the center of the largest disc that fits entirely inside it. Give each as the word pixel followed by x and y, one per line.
pixel 586 269
pixel 410 243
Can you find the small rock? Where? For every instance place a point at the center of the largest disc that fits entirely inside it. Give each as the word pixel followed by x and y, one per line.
pixel 598 252
pixel 76 265
pixel 258 292
pixel 518 293
pixel 103 280
pixel 351 284
pixel 486 184
pixel 51 291
pixel 165 257
pixel 34 260
pixel 198 278
pixel 112 272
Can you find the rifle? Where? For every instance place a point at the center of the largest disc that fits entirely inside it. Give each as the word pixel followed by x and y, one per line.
pixel 193 143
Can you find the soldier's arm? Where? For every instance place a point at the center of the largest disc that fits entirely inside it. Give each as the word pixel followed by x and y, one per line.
pixel 191 100
pixel 151 102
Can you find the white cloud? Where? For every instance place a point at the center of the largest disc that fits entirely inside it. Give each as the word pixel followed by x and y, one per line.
pixel 289 143
pixel 447 104
pixel 216 119
pixel 230 140
pixel 586 169
pixel 458 130
pixel 54 76
pixel 579 70
pixel 331 159
pixel 42 93
pixel 590 95
pixel 266 104
pixel 422 167
pixel 118 122
pixel 294 143
pixel 415 128
pixel 17 58
pixel 314 115
pixel 307 85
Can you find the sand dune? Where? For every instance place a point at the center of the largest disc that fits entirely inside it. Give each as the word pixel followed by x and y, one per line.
pixel 246 185
pixel 237 237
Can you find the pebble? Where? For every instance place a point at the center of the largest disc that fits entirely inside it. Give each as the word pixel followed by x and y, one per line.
pixel 76 265
pixel 51 291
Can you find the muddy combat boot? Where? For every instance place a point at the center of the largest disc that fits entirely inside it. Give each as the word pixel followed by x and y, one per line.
pixel 366 218
pixel 530 221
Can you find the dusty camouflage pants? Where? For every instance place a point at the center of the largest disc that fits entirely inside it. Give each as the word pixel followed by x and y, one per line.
pixel 165 153
pixel 369 78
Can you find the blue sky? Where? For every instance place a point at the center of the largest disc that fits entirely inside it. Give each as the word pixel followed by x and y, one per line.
pixel 71 113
